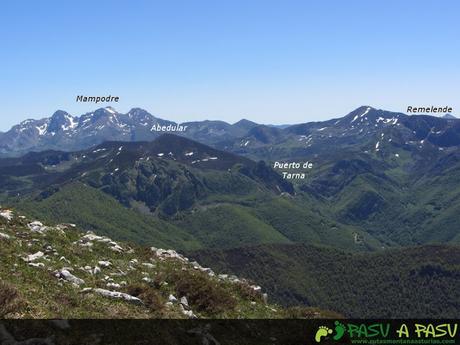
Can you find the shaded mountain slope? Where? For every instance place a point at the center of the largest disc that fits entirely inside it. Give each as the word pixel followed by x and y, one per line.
pixel 167 175
pixel 412 282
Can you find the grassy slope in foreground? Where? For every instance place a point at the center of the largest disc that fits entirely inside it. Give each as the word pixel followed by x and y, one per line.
pixel 33 257
pixel 398 283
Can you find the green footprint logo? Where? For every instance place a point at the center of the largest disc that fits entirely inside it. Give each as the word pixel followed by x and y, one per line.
pixel 322 332
pixel 339 330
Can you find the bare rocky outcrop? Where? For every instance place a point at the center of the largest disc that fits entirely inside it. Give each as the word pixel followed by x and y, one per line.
pixel 37 226
pixel 115 295
pixel 7 214
pixel 33 257
pixel 4 236
pixel 67 276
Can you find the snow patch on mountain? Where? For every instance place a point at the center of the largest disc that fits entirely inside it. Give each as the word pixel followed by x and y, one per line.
pixel 71 123
pixel 42 129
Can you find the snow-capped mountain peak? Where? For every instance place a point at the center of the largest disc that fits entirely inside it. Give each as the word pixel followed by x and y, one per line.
pixel 365 125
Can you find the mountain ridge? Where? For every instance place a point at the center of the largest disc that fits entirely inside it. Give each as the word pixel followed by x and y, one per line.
pixel 66 132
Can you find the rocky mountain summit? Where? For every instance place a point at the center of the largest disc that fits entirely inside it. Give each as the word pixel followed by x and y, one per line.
pixel 361 129
pixel 63 131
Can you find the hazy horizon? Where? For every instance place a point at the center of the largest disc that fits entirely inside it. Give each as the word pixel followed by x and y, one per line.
pixel 266 61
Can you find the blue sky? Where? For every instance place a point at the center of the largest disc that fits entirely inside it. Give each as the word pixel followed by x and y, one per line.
pixel 268 61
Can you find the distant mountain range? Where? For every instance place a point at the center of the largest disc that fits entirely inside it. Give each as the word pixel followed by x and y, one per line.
pixel 63 131
pixel 66 132
pixel 365 129
pixel 371 170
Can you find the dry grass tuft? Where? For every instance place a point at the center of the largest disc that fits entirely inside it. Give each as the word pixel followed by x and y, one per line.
pixel 202 293
pixel 9 299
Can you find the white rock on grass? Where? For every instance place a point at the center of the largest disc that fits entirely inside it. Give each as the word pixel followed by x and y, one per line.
pixel 148 265
pixel 184 302
pixel 104 264
pixel 66 275
pixel 4 236
pixel 265 298
pixel 62 258
pixel 33 257
pixel 208 271
pixel 195 265
pixel 37 264
pixel 118 274
pixel 7 214
pixel 61 227
pixel 116 248
pixel 91 237
pixel 119 295
pixel 172 299
pixel 187 313
pixel 113 285
pixel 168 254
pixel 37 226
pixel 234 279
pixel 256 288
pixel 88 239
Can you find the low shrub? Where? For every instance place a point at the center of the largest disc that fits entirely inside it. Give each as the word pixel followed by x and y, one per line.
pixel 246 292
pixel 9 299
pixel 148 295
pixel 203 294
